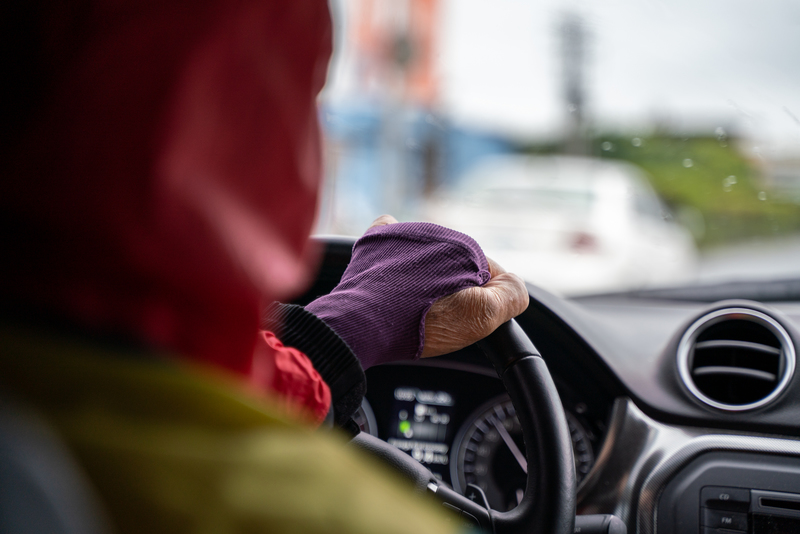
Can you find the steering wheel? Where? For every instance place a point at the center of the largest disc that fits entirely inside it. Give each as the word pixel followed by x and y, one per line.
pixel 548 506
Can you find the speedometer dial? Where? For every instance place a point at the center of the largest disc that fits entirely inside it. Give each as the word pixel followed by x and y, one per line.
pixel 489 452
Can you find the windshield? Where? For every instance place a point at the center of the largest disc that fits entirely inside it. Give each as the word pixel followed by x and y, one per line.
pixel 588 146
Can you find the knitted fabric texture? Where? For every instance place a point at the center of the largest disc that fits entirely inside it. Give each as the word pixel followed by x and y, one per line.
pixel 395 275
pixel 328 352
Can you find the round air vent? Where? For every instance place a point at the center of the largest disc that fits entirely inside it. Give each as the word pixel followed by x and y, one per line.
pixel 736 359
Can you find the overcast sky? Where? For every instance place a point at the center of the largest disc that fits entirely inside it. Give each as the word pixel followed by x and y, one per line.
pixel 693 63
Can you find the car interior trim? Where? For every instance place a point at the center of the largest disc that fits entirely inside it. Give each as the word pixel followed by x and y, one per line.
pixel 640 456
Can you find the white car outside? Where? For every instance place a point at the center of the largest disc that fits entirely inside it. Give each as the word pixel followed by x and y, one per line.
pixel 569 224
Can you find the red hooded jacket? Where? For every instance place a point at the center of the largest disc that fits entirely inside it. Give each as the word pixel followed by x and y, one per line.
pixel 160 179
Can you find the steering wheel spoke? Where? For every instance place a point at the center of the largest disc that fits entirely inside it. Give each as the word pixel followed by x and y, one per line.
pixel 472 513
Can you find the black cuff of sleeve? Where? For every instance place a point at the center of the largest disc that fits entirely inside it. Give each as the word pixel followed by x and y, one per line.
pixel 330 355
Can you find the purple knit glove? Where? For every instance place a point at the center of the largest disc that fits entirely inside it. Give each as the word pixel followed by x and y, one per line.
pixel 395 275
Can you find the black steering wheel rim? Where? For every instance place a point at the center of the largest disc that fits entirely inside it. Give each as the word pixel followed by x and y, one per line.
pixel 548 506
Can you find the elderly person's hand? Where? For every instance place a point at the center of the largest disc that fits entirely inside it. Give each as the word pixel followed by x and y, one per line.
pixel 418 290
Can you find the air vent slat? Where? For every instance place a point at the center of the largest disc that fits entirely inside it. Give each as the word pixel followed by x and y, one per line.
pixel 733 344
pixel 734 371
pixel 736 359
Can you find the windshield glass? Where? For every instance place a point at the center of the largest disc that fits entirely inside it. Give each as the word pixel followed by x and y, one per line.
pixel 588 146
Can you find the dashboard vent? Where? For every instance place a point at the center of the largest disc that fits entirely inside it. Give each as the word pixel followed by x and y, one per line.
pixel 736 359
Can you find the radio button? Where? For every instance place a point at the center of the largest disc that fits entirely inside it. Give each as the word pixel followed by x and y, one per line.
pixel 724 498
pixel 727 520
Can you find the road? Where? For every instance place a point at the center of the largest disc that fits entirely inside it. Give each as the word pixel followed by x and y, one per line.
pixel 755 260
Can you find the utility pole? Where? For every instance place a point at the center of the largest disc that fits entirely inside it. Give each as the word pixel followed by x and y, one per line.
pixel 572 35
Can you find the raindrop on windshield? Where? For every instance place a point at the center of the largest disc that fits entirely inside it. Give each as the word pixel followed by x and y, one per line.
pixel 636 141
pixel 728 183
pixel 606 146
pixel 722 136
pixel 762 195
pixel 688 163
pixel 431 119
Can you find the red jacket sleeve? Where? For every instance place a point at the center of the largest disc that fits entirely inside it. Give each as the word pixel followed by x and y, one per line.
pixel 290 376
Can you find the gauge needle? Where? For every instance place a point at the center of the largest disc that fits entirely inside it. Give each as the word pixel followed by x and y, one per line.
pixel 523 463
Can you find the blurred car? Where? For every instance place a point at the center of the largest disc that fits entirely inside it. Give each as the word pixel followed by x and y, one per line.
pixel 570 224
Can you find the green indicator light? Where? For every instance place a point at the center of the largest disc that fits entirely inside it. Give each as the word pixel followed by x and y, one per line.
pixel 405 426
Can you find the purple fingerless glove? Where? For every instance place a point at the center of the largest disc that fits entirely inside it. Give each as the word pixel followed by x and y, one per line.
pixel 395 275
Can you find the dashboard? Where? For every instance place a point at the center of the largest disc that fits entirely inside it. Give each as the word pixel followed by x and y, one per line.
pixel 683 407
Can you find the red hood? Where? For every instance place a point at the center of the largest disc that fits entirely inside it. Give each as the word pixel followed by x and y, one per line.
pixel 161 166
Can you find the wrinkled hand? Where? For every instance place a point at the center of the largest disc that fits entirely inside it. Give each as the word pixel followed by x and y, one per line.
pixel 460 319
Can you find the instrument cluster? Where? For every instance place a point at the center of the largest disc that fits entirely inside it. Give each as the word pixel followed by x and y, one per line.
pixel 458 421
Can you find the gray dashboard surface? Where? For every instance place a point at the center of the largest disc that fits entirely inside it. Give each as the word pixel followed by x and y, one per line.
pixel 637 338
